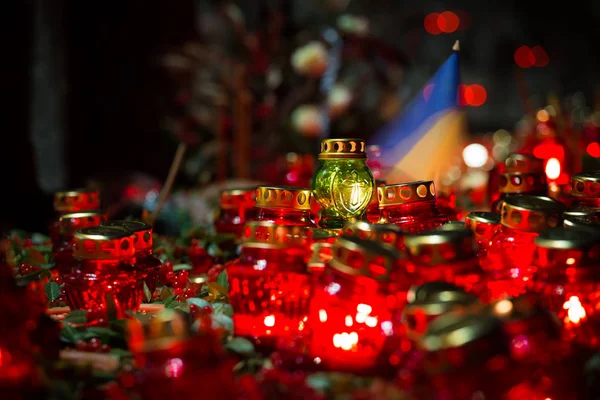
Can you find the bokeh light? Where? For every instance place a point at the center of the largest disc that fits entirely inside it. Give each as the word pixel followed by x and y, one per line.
pixel 475 95
pixel 593 149
pixel 448 22
pixel 431 24
pixel 524 57
pixel 540 56
pixel 553 168
pixel 475 155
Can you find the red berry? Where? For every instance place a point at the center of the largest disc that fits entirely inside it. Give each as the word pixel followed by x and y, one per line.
pixel 170 276
pixel 25 269
pixel 207 309
pixel 58 280
pixel 105 348
pixel 193 308
pixel 27 243
pixel 178 292
pixel 94 344
pixel 184 276
pixel 189 293
pixel 81 345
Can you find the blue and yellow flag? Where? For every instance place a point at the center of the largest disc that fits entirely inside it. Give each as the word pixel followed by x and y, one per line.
pixel 423 142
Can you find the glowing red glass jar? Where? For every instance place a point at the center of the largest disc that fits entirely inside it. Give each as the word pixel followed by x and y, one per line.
pixel 269 286
pixel 483 225
pixel 373 214
pixel 410 205
pixel 382 233
pixel 104 271
pixel 173 362
pixel 444 255
pixel 355 313
pixel 284 206
pixel 585 191
pixel 236 207
pixel 522 174
pixel 145 261
pixel 72 201
pixel 553 149
pixel 512 248
pixel 568 280
pixel 68 224
pixel 466 357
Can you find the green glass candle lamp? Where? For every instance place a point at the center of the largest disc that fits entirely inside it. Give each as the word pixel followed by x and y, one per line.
pixel 343 184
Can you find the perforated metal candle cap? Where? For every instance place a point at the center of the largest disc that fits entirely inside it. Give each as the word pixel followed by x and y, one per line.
pixel 405 193
pixel 531 213
pixel 582 219
pixel 103 243
pixel 165 330
pixel 69 223
pixel 386 233
pixel 440 246
pixel 518 182
pixel 361 257
pixel 283 197
pixel 269 235
pixel 524 163
pixel 142 239
pixel 342 148
pixel 586 185
pixel 564 239
pixel 76 200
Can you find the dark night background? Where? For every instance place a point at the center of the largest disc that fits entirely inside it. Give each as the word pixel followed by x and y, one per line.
pixel 115 88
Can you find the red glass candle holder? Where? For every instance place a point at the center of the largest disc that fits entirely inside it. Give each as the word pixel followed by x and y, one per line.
pixel 568 280
pixel 553 149
pixel 236 207
pixel 104 273
pixel 446 255
pixel 429 301
pixel 355 311
pixel 68 224
pixel 173 362
pixel 520 183
pixel 465 357
pixel 483 225
pixel 373 214
pixel 72 201
pixel 284 206
pixel 585 191
pixel 142 241
pixel 269 286
pixel 510 255
pixel 410 205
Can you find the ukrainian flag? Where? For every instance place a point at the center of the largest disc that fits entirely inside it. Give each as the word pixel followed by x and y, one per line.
pixel 426 139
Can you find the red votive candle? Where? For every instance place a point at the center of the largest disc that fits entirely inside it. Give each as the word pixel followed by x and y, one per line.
pixel 585 191
pixel 235 208
pixel 284 205
pixel 483 225
pixel 72 201
pixel 410 205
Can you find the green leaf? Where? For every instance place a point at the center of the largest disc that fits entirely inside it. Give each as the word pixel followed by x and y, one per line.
pixel 217 290
pixel 76 317
pixel 200 303
pixel 319 382
pixel 147 293
pixel 120 353
pixel 70 334
pixel 52 290
pixel 222 321
pixel 38 238
pixel 223 308
pixel 104 334
pixel 214 250
pixel 24 280
pixel 169 300
pixel 223 281
pixel 241 346
pixel 181 267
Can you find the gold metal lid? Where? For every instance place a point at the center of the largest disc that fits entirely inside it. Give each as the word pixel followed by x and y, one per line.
pixel 163 331
pixel 69 223
pixel 454 330
pixel 76 200
pixel 435 298
pixel 235 198
pixel 518 182
pixel 103 243
pixel 482 217
pixel 586 184
pixel 582 219
pixel 405 193
pixel 387 233
pixel 283 197
pixel 360 257
pixel 142 239
pixel 531 213
pixel 524 163
pixel 440 246
pixel 269 235
pixel 452 226
pixel 565 239
pixel 342 148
